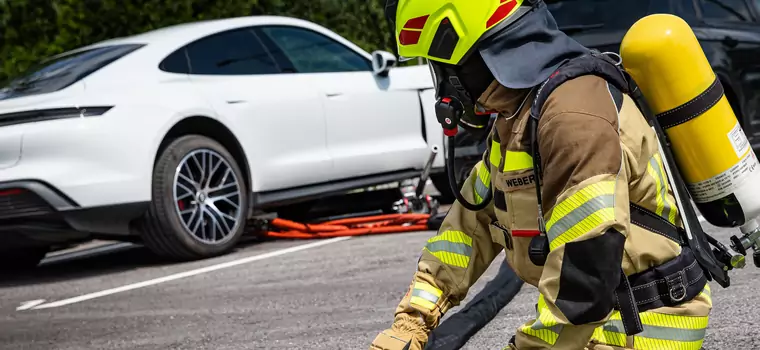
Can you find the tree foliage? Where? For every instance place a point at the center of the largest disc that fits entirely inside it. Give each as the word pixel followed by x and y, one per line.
pixel 31 30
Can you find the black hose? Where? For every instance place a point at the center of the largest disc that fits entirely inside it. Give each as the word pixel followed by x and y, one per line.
pixel 455 184
pixel 454 332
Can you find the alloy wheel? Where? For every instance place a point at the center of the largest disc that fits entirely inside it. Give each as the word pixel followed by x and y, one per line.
pixel 207 196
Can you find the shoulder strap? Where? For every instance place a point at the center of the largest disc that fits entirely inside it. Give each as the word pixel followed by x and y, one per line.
pixel 594 63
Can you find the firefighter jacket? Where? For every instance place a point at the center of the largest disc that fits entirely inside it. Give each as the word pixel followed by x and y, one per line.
pixel 599 157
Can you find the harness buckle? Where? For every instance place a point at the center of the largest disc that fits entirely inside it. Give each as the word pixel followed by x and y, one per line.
pixel 676 286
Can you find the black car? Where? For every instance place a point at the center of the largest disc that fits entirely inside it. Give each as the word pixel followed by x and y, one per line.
pixel 728 30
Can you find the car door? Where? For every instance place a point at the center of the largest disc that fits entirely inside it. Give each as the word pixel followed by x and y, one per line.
pixel 733 28
pixel 278 116
pixel 372 127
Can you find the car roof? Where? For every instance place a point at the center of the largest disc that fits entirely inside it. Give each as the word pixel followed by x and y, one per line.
pixel 175 36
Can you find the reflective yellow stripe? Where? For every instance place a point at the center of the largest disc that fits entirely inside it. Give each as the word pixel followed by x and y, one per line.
pixel 609 338
pixel 671 206
pixel 665 207
pixel 546 327
pixel 482 183
pixel 651 343
pixel 514 161
pixel 451 247
pixel 425 295
pixel 581 213
pixel 423 303
pixel 495 156
pixel 707 294
pixel 661 331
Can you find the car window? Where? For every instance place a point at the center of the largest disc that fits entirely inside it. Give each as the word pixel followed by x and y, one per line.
pixel 176 62
pixel 756 3
pixel 236 52
pixel 725 10
pixel 63 70
pixel 579 15
pixel 312 52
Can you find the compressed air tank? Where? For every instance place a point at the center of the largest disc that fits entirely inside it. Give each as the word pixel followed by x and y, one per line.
pixel 713 155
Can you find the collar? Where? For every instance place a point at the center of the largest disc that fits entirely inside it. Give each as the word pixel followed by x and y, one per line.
pixel 500 99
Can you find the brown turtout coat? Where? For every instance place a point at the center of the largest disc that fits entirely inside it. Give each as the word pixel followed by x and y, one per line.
pixel 598 154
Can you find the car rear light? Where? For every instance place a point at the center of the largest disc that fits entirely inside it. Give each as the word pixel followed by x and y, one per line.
pixel 17 203
pixel 11 192
pixel 52 114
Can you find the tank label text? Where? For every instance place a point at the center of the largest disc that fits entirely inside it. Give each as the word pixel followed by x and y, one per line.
pixel 726 182
pixel 739 140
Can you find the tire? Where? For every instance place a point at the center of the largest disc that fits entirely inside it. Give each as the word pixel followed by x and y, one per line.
pixel 441 183
pixel 21 259
pixel 172 227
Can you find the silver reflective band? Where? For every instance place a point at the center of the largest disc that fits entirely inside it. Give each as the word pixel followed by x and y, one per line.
pixel 425 295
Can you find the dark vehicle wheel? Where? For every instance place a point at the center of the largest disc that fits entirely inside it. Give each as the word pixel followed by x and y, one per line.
pixel 200 201
pixel 21 259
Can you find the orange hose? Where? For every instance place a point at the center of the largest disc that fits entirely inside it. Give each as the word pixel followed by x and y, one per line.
pixel 282 223
pixel 373 218
pixel 376 224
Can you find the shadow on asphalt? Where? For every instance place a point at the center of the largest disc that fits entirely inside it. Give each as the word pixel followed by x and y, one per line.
pixel 92 266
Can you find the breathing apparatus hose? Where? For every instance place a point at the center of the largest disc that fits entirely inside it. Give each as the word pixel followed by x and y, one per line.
pixel 450 157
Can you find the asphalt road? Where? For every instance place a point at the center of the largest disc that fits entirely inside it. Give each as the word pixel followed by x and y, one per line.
pixel 266 295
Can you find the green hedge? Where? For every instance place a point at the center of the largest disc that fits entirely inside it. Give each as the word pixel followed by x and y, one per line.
pixel 34 29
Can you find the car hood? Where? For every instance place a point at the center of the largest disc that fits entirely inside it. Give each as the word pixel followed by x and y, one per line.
pixel 411 78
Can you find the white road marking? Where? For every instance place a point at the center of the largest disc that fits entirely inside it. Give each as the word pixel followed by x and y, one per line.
pixel 29 304
pixel 188 273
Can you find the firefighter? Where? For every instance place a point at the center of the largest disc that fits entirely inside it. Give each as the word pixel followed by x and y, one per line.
pixel 598 237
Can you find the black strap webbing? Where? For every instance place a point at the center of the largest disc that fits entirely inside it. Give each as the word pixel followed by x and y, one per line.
pixel 625 302
pixel 655 223
pixel 670 284
pixel 693 108
pixel 592 64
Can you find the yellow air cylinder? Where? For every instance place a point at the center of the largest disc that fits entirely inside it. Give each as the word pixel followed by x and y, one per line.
pixel 713 155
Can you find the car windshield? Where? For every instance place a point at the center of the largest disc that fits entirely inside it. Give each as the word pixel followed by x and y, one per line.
pixel 58 72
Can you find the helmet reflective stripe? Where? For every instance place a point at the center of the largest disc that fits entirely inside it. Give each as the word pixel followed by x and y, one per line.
pixel 447 30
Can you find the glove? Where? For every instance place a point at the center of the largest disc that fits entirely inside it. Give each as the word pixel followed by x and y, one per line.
pixel 406 333
pixel 511 345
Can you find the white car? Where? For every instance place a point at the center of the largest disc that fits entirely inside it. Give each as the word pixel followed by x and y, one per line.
pixel 176 136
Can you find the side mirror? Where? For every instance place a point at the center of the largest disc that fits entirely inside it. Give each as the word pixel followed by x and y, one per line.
pixel 382 62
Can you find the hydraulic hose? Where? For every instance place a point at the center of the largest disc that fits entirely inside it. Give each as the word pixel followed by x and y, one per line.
pixel 454 184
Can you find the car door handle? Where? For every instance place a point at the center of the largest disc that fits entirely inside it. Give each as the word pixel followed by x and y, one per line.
pixel 334 94
pixel 234 102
